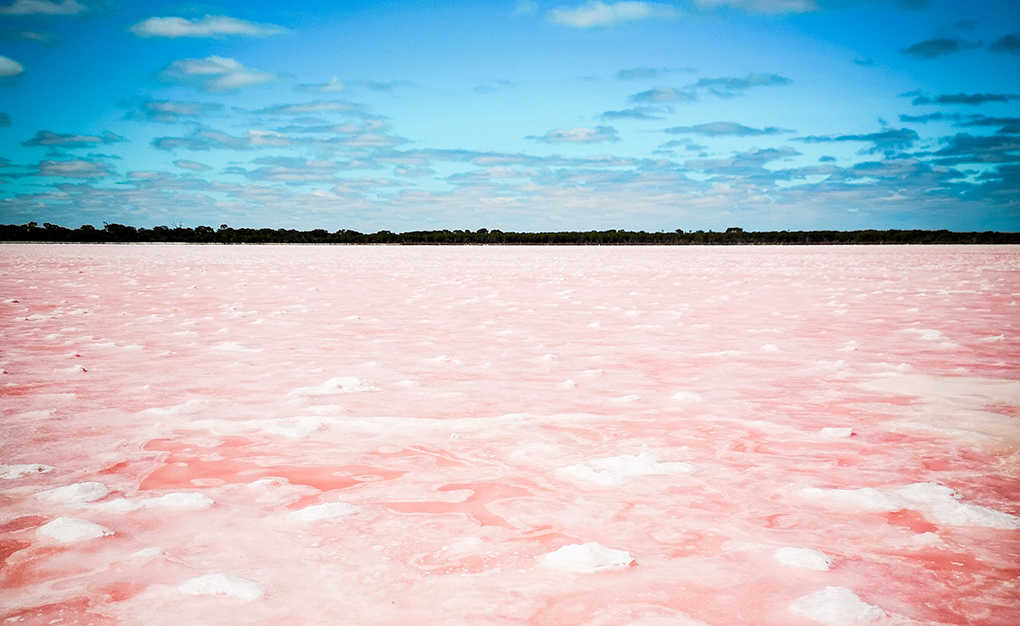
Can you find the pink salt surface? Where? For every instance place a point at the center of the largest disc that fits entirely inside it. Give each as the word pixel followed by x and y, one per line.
pixel 488 406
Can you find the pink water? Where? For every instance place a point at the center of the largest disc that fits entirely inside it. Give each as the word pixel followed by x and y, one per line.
pixel 479 408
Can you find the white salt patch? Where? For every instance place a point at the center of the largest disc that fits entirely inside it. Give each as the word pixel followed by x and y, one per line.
pixel 233 346
pixel 770 347
pixel 803 558
pixel 867 499
pixel 340 384
pixel 548 357
pixel 146 554
pixel 926 334
pixel 991 340
pixel 629 398
pixel 941 505
pixel 842 431
pixel 687 397
pixel 318 512
pixel 9 472
pixel 222 585
pixel 78 493
pixel 617 469
pixel 276 490
pixel 295 428
pixel 568 384
pixel 71 530
pixel 586 558
pixel 594 325
pixel 836 606
pixel 188 408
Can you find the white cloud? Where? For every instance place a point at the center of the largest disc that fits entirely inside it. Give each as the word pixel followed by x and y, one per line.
pixel 579 135
pixel 318 106
pixel 209 26
pixel 41 7
pixel 215 74
pixel 663 94
pixel 194 166
pixel 74 168
pixel 333 85
pixel 10 67
pixel 766 7
pixel 599 14
pixel 525 7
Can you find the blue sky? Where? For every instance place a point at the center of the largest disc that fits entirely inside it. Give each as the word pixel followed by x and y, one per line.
pixel 563 115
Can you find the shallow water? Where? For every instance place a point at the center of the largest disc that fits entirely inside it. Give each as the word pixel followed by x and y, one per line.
pixel 490 435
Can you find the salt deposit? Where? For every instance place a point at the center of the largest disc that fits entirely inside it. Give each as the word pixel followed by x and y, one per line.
pixel 837 606
pixel 78 493
pixel 222 585
pixel 617 469
pixel 72 530
pixel 320 512
pixel 587 558
pixel 10 472
pixel 803 558
pixel 340 384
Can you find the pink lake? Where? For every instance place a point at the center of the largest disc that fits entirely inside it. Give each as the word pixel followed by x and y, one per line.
pixel 490 435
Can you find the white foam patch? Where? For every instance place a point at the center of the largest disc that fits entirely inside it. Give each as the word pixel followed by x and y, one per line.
pixel 223 585
pixel 72 530
pixel 586 558
pixel 941 504
pixel 836 606
pixel 617 469
pixel 803 558
pixel 318 512
pixel 10 472
pixel 836 432
pixel 78 493
pixel 340 384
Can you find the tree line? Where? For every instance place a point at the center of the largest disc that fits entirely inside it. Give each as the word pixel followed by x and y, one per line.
pixel 119 233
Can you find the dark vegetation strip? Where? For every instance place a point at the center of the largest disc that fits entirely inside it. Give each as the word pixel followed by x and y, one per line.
pixel 118 233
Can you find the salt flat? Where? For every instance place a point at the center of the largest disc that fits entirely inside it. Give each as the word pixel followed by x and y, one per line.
pixel 485 435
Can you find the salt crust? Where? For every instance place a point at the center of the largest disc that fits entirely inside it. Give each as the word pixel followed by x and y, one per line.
pixel 586 558
pixel 9 472
pixel 222 585
pixel 687 397
pixel 71 530
pixel 835 432
pixel 292 427
pixel 803 558
pixel 836 606
pixel 78 493
pixel 318 512
pixel 617 469
pixel 233 346
pixel 937 503
pixel 340 384
pixel 171 501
